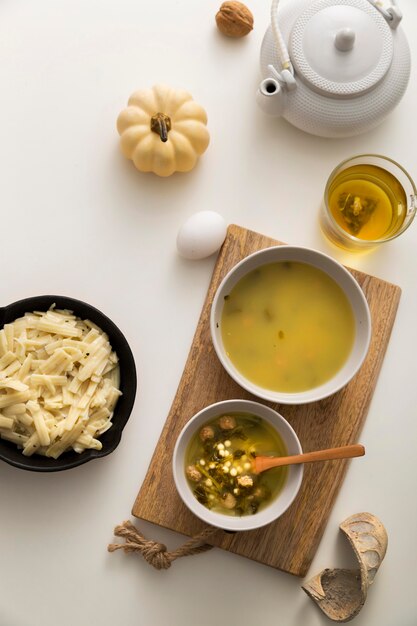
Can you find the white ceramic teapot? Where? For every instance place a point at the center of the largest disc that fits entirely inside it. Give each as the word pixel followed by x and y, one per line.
pixel 333 67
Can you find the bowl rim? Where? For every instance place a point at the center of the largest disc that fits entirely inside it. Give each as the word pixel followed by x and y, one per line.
pixel 316 393
pixel 226 522
pixel 34 463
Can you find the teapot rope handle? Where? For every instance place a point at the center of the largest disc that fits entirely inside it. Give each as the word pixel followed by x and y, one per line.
pixel 393 16
pixel 283 55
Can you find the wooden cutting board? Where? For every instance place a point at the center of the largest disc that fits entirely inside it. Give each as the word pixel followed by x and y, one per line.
pixel 290 543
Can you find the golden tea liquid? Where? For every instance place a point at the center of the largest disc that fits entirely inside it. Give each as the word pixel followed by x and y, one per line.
pixel 367 202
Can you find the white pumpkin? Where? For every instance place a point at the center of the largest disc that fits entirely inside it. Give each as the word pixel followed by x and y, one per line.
pixel 163 130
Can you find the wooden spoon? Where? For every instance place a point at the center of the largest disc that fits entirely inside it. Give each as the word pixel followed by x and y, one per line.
pixel 263 463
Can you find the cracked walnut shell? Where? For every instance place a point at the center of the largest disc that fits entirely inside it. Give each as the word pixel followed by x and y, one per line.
pixel 234 19
pixel 341 593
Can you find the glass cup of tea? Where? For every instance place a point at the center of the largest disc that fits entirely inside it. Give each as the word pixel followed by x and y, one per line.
pixel 369 199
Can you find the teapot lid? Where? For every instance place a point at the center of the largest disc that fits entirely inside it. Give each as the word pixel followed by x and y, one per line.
pixel 341 48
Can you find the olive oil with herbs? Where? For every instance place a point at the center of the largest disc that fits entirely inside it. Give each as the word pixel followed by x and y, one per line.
pixel 367 201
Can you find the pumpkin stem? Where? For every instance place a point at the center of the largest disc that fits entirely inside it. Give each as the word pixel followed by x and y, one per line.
pixel 161 124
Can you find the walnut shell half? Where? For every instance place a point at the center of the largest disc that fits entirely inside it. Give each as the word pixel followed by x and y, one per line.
pixel 341 593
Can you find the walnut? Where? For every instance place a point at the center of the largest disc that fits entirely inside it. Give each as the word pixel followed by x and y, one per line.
pixel 234 19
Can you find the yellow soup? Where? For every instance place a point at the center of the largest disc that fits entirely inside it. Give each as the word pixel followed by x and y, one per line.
pixel 219 464
pixel 287 327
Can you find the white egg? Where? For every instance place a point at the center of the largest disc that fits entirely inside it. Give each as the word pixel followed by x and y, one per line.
pixel 201 235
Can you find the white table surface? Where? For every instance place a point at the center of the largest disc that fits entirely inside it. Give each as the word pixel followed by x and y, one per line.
pixel 78 219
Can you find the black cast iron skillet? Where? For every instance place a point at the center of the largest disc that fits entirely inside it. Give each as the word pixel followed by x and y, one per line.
pixel 111 438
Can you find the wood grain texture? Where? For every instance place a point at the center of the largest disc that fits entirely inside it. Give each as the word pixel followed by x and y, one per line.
pixel 290 543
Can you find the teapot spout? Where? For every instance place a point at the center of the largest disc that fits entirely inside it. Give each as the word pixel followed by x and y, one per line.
pixel 271 97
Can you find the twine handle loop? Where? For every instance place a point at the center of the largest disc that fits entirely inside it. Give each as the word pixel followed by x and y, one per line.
pixel 154 553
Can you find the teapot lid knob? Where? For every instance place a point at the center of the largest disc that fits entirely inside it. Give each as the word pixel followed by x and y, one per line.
pixel 345 39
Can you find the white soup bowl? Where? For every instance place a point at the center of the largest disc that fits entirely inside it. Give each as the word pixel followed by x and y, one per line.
pixel 353 293
pixel 277 506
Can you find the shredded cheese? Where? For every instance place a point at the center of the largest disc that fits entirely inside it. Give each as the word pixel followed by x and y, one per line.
pixel 59 383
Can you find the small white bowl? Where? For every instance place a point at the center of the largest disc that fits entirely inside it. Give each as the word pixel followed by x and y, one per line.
pixel 341 276
pixel 277 506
